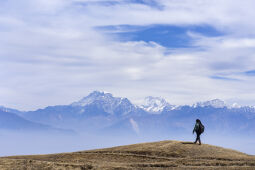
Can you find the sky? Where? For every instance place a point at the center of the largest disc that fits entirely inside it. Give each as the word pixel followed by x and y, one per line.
pixel 57 51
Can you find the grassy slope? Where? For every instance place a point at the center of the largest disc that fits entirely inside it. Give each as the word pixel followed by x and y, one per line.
pixel 157 155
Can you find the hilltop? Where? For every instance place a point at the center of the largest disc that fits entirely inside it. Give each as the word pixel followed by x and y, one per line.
pixel 160 155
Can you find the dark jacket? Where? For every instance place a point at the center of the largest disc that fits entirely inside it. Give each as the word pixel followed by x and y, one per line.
pixel 197 128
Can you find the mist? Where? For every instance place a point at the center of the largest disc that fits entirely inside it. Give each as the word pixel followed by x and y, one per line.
pixel 30 143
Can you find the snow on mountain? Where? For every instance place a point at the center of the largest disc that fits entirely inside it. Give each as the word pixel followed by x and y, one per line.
pixel 155 104
pixel 95 96
pixel 216 103
pixel 235 106
pixel 107 101
pixel 5 109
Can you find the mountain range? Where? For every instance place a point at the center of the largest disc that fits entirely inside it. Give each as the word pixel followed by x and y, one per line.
pixel 101 112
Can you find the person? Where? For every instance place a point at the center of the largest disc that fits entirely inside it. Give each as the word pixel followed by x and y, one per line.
pixel 199 129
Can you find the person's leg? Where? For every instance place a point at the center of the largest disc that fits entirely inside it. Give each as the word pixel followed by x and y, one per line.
pixel 199 139
pixel 196 138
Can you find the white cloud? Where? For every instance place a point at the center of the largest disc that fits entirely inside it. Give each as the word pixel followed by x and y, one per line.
pixel 239 43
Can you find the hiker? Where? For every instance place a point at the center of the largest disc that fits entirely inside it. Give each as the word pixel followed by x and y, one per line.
pixel 199 129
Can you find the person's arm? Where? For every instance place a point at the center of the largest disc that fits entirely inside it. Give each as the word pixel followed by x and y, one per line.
pixel 195 128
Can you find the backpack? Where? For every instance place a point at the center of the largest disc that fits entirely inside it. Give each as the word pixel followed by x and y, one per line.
pixel 201 128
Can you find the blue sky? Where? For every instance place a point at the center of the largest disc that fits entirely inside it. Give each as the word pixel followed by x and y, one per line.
pixel 169 36
pixel 58 51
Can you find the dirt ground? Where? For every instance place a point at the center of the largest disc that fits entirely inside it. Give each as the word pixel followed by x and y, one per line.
pixel 157 155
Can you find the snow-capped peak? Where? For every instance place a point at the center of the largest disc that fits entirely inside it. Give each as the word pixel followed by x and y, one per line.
pixel 216 103
pixel 238 106
pixel 154 104
pixel 235 106
pixel 96 95
pixel 106 100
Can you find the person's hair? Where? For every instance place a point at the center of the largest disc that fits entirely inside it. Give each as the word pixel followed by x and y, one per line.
pixel 198 121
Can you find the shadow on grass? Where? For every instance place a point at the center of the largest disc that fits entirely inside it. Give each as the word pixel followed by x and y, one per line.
pixel 188 143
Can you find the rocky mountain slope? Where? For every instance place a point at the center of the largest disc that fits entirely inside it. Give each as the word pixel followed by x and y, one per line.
pixel 12 122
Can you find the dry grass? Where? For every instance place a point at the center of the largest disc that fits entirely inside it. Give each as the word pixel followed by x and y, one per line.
pixel 157 155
